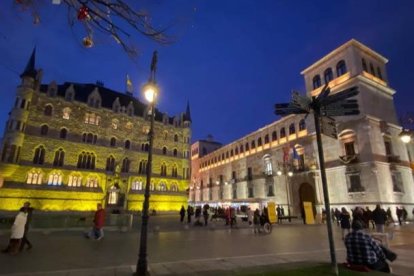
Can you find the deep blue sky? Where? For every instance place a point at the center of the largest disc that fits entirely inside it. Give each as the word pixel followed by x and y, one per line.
pixel 232 60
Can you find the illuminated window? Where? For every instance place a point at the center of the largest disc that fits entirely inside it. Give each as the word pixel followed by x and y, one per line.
pixel 137 185
pixel 174 188
pixel 397 183
pixel 34 177
pixel 75 181
pixel 92 182
pixel 162 187
pixel 92 119
pixel 341 68
pixel 66 113
pixel 268 167
pixel 115 124
pixel 129 125
pixel 55 179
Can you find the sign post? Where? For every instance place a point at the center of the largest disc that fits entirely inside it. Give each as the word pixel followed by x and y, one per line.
pixel 323 106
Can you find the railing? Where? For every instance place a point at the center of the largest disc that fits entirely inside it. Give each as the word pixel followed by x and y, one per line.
pixel 393 159
pixel 349 159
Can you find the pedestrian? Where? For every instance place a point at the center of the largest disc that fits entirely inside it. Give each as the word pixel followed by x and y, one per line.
pixel 98 222
pixel 379 216
pixel 182 214
pixel 399 214
pixel 282 211
pixel 369 220
pixel 197 217
pixel 256 221
pixel 17 232
pixel 205 214
pixel 338 216
pixel 344 219
pixel 279 214
pixel 250 215
pixel 189 213
pixel 389 216
pixel 404 214
pixel 25 240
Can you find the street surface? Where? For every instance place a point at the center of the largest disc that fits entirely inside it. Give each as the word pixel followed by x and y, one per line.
pixel 171 242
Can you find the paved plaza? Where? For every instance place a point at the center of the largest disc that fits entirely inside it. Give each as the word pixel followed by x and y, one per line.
pixel 176 249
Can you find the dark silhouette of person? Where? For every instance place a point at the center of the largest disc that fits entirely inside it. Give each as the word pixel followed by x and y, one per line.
pixel 182 213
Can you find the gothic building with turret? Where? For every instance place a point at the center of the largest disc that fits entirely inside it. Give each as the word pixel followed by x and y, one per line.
pixel 70 146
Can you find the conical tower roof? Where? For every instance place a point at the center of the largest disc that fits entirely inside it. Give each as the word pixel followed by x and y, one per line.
pixel 30 70
pixel 188 113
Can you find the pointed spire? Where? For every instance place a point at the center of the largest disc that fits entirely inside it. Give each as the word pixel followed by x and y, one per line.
pixel 187 112
pixel 30 70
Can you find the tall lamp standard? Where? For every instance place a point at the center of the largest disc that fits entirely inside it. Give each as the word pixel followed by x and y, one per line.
pixel 287 173
pixel 150 91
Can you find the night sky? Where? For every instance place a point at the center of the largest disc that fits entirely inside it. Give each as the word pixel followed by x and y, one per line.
pixel 232 59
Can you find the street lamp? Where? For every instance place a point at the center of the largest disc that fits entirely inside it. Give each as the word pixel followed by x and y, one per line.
pixel 150 91
pixel 405 137
pixel 287 173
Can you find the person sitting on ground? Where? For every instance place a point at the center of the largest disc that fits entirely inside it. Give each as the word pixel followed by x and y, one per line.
pixel 362 249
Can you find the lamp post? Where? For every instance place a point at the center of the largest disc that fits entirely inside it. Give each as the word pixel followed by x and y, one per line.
pixel 405 137
pixel 287 173
pixel 150 91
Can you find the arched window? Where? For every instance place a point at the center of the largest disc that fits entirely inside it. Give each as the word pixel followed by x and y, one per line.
pixel 341 68
pixel 268 167
pixel 175 138
pixel 247 146
pixel 125 165
pixel 316 81
pixel 162 187
pixel 163 169
pixel 174 171
pixel 328 75
pixel 59 158
pixel 75 180
pixel 112 142
pixel 274 135
pixel 282 132
pixel 231 153
pixel 127 144
pixel 236 151
pixel 364 65
pixel 266 139
pixel 142 167
pixel 174 188
pixel 144 147
pixel 66 113
pixel 44 129
pixel 259 142
pixel 55 179
pixel 63 133
pixel 89 138
pixel 175 152
pixel 137 185
pixel 302 125
pixel 292 129
pixel 241 149
pixel 86 160
pixel 164 151
pixel 39 156
pixel 110 164
pixel 48 111
pixel 92 182
pixel 34 177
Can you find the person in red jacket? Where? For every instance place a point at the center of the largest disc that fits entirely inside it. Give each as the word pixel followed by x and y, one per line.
pixel 98 223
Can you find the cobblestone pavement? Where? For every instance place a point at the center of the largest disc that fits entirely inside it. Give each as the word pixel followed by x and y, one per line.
pixel 176 249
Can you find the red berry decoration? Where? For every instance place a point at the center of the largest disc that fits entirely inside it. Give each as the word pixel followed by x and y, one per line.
pixel 83 13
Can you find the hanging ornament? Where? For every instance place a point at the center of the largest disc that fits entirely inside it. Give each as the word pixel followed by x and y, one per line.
pixel 87 42
pixel 83 13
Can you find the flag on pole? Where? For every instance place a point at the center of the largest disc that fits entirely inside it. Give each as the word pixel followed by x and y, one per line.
pixel 286 154
pixel 295 154
pixel 129 87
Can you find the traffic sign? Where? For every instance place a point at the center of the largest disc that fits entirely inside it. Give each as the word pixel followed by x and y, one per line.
pixel 302 102
pixel 324 93
pixel 328 127
pixel 339 96
pixel 339 112
pixel 344 104
pixel 284 109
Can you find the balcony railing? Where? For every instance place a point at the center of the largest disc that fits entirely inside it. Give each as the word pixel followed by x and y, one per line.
pixel 393 159
pixel 349 159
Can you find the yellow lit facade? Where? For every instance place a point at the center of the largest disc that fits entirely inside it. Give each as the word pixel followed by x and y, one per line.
pixel 71 146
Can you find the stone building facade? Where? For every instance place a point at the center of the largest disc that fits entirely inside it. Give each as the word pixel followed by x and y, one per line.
pixel 368 163
pixel 71 146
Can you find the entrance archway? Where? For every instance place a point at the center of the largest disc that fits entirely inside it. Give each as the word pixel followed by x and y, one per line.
pixel 307 193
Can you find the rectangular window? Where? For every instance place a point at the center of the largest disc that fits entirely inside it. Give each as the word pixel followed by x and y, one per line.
pixel 221 179
pixel 235 193
pixel 349 148
pixel 354 183
pixel 249 173
pixel 397 183
pixel 388 148
pixel 233 175
pixel 251 194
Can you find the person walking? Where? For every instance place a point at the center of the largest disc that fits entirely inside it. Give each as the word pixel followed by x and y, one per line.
pixel 25 240
pixel 250 215
pixel 256 221
pixel 98 222
pixel 17 232
pixel 205 215
pixel 399 214
pixel 182 214
pixel 379 216
pixel 344 219
pixel 189 213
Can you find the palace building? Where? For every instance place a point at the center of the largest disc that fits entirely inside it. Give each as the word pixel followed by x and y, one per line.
pixel 367 164
pixel 71 146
